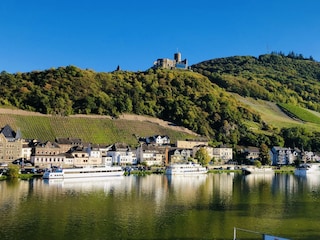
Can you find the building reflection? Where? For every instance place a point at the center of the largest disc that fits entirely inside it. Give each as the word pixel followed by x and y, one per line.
pixel 161 190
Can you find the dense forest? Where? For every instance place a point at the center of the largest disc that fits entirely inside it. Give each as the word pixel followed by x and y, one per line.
pixel 200 99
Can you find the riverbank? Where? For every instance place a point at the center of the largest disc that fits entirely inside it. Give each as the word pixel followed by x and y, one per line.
pixel 284 170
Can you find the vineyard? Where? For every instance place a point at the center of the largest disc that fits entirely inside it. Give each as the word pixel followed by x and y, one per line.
pixel 300 113
pixel 94 130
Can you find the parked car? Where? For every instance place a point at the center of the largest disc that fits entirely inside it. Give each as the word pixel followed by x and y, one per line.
pixel 17 161
pixel 28 170
pixel 3 164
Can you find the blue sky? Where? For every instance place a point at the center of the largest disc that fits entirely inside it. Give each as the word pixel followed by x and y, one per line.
pixel 101 34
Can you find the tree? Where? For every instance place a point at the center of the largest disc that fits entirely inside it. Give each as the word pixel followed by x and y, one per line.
pixel 257 163
pixel 13 171
pixel 202 156
pixel 264 154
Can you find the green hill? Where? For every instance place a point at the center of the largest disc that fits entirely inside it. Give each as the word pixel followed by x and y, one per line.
pixel 275 116
pixel 273 77
pixel 236 100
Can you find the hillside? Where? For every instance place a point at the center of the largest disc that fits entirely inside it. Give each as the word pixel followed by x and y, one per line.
pixel 184 98
pixel 272 114
pixel 233 100
pixel 90 128
pixel 271 77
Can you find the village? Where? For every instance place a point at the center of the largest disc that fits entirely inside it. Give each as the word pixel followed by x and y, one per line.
pixel 152 151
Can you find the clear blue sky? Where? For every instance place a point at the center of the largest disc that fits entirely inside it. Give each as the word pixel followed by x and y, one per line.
pixel 102 34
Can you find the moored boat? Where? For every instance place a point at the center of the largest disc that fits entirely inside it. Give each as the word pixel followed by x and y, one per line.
pixel 185 169
pixel 83 172
pixel 253 170
pixel 306 169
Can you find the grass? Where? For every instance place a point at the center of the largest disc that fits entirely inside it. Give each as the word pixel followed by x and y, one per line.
pixel 274 116
pixel 285 169
pixel 300 113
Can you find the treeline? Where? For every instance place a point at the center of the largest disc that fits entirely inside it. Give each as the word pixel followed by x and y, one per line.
pixel 185 98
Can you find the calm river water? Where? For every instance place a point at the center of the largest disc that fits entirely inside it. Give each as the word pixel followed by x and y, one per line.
pixel 159 207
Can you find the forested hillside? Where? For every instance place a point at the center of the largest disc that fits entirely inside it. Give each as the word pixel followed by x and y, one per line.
pixel 200 100
pixel 273 77
pixel 183 97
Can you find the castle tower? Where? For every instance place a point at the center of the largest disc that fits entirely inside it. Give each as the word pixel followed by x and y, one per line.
pixel 177 57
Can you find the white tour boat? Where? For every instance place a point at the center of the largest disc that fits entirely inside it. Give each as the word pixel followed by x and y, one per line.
pixel 257 170
pixel 185 169
pixel 83 172
pixel 306 169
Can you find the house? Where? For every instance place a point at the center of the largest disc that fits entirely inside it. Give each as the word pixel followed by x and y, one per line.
pixel 47 161
pixel 220 154
pixel 156 140
pixel 310 157
pixel 46 148
pixel 84 156
pixel 121 154
pixel 283 155
pixel 252 153
pixel 10 144
pixel 67 143
pixel 152 155
pixel 26 150
pixel 103 153
pixel 46 153
pixel 179 155
pixel 209 150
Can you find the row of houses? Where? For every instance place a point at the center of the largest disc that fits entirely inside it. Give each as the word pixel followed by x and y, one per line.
pixel 155 150
pixel 280 156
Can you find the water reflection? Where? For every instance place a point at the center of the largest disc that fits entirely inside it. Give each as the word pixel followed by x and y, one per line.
pixel 84 184
pixel 210 205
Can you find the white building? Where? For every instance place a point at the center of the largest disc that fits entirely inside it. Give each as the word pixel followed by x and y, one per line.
pixel 46 161
pixel 26 151
pixel 158 140
pixel 283 155
pixel 121 154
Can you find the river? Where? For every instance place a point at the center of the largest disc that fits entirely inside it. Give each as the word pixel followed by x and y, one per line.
pixel 160 207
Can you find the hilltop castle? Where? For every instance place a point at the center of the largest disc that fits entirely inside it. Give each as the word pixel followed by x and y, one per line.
pixel 175 63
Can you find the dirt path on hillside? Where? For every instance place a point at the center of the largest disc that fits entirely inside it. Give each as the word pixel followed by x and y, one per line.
pixel 158 121
pixel 128 117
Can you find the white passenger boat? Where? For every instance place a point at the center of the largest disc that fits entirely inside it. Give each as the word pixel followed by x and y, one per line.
pixel 306 169
pixel 257 170
pixel 83 172
pixel 185 169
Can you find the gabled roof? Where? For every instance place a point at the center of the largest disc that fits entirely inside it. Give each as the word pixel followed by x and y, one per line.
pixel 120 147
pixel 8 132
pixel 48 144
